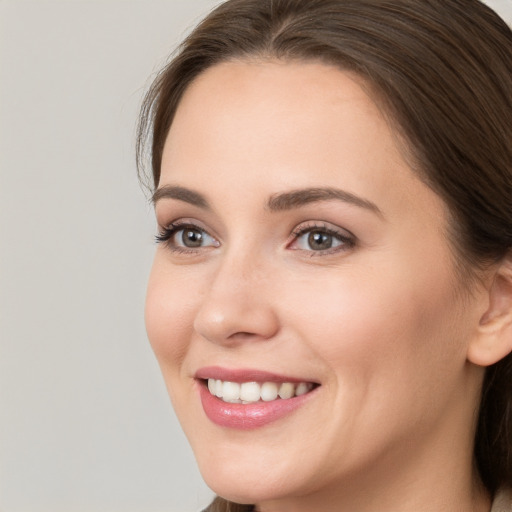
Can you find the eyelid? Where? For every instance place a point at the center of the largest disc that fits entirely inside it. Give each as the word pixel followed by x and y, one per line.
pixel 347 238
pixel 168 231
pixel 183 222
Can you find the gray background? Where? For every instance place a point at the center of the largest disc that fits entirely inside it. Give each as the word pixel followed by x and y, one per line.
pixel 85 423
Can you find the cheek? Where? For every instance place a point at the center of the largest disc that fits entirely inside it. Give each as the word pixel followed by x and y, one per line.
pixel 377 326
pixel 169 314
pixel 392 358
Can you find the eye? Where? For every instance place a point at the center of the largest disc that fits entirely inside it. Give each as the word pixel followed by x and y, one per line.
pixel 321 239
pixel 186 237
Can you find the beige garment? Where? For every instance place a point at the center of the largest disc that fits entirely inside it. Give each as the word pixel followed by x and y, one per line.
pixel 503 501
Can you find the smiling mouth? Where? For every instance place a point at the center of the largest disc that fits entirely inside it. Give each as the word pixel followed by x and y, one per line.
pixel 253 392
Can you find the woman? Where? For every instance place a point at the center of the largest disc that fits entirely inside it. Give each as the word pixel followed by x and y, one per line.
pixel 331 299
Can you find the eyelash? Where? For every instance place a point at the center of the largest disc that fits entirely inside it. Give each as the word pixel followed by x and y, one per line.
pixel 346 239
pixel 166 235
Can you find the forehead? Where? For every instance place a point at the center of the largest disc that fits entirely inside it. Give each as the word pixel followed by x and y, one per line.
pixel 290 89
pixel 266 125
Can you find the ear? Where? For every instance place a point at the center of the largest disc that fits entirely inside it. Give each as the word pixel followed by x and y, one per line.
pixel 493 339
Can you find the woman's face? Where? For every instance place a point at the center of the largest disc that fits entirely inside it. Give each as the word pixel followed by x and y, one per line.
pixel 300 251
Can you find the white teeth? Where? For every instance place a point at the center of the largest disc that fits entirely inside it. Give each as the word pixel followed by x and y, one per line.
pixel 286 390
pixel 302 389
pixel 251 392
pixel 218 388
pixel 230 391
pixel 268 391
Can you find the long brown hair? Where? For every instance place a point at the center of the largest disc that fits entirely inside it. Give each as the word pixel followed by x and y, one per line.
pixel 442 70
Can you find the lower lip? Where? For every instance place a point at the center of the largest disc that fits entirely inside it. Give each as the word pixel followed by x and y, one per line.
pixel 248 416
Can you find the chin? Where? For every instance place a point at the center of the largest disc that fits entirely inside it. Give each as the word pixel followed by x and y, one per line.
pixel 247 481
pixel 245 492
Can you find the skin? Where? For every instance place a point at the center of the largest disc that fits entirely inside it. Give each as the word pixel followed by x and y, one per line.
pixel 381 321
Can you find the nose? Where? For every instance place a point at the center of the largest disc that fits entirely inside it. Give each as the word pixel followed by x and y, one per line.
pixel 237 306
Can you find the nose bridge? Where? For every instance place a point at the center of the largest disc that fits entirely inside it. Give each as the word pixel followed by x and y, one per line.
pixel 237 305
pixel 243 264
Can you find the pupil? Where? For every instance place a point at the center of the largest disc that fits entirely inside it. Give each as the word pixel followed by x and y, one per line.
pixel 319 241
pixel 192 238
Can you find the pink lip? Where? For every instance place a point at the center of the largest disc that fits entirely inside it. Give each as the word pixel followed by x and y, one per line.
pixel 248 416
pixel 244 375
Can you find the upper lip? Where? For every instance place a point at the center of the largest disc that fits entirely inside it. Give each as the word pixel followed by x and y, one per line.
pixel 244 375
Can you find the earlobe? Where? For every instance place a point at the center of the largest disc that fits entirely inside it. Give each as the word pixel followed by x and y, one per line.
pixel 493 338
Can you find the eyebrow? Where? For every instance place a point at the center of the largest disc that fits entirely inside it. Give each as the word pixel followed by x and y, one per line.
pixel 182 194
pixel 277 202
pixel 303 197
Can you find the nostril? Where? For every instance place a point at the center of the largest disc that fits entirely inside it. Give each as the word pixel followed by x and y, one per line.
pixel 242 335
